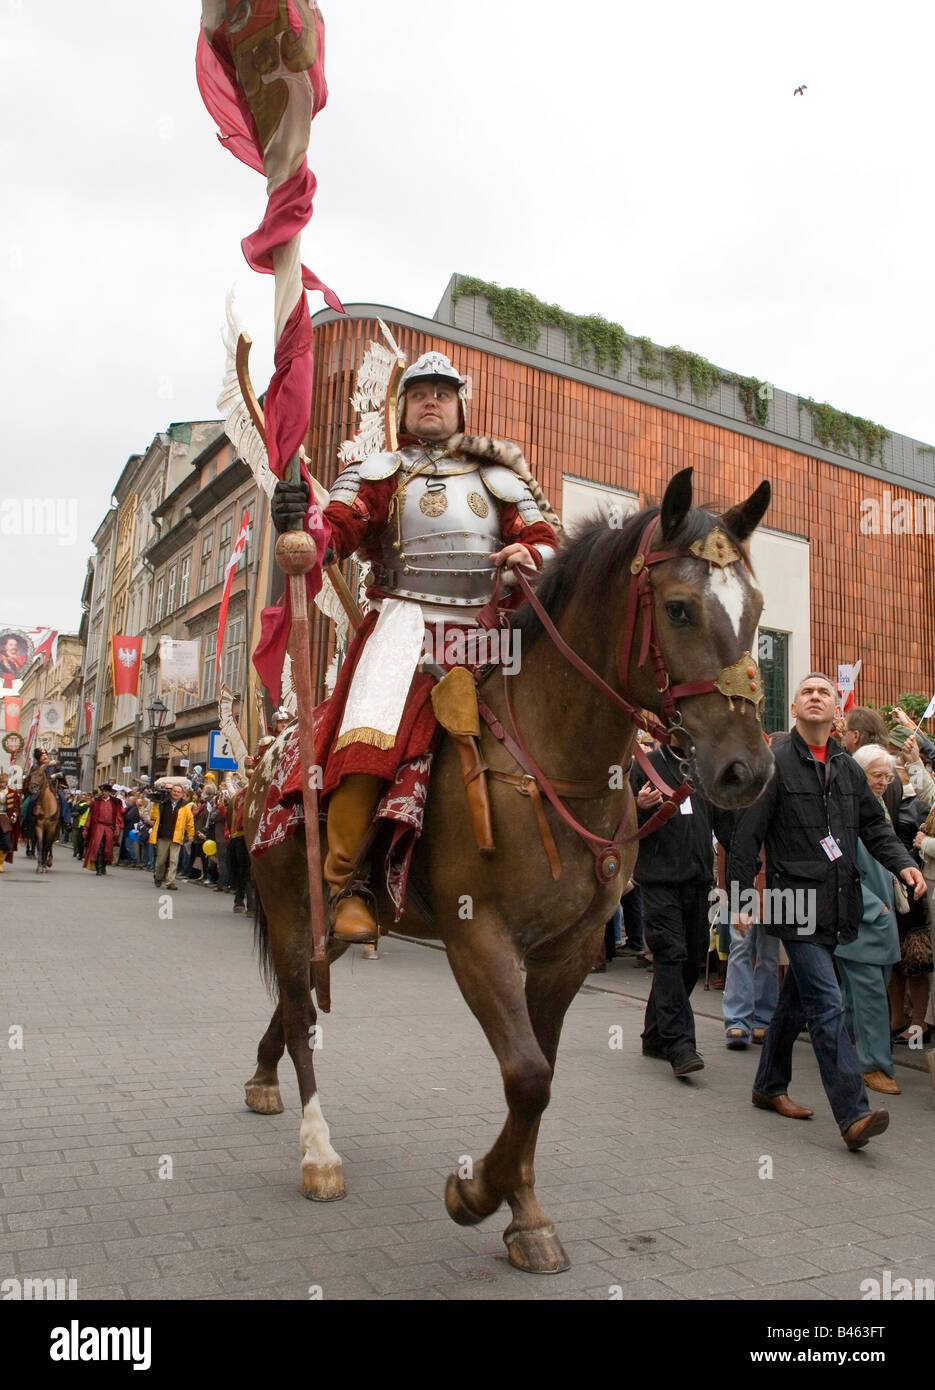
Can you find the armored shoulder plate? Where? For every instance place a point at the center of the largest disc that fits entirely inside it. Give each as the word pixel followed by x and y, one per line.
pixel 347 484
pixel 379 466
pixel 508 487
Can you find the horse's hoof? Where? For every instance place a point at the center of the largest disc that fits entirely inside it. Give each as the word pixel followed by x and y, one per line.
pixel 323 1182
pixel 263 1100
pixel 457 1207
pixel 536 1252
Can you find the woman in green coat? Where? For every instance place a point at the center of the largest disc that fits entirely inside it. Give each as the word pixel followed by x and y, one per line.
pixel 864 964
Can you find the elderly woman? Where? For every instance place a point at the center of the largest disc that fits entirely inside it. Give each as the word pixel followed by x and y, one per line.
pixel 865 963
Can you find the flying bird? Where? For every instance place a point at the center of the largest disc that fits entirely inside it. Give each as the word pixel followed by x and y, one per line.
pixel 800 91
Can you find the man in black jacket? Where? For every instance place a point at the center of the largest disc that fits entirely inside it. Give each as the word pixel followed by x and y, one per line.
pixel 808 819
pixel 675 871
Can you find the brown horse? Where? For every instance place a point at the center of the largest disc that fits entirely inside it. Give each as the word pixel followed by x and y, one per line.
pixel 46 817
pixel 704 618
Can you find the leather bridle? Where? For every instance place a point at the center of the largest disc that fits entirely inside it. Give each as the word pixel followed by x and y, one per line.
pixel 739 681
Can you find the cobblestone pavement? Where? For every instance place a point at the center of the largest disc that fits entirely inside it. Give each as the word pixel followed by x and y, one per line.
pixel 139 1033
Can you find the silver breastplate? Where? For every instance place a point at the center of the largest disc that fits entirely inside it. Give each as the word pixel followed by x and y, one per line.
pixel 443 529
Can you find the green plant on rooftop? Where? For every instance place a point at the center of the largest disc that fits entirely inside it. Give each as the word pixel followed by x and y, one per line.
pixel 845 433
pixel 521 317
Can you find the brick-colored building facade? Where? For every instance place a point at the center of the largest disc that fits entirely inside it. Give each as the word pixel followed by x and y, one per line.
pixel 866 596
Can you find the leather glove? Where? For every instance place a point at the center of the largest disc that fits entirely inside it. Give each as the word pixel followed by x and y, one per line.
pixel 289 505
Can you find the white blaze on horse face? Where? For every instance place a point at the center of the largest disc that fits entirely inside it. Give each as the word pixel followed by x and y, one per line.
pixel 731 593
pixel 314 1136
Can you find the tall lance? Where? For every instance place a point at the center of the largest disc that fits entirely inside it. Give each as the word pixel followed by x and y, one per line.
pixel 260 71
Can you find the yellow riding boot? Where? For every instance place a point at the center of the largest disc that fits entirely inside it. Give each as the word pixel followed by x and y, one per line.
pixel 350 813
pixel 2 857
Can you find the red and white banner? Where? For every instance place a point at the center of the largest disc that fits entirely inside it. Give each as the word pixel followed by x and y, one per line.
pixel 12 709
pixel 89 708
pixel 127 653
pixel 266 122
pixel 32 734
pixel 847 680
pixel 232 564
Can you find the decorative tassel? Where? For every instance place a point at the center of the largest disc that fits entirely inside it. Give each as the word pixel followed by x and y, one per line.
pixel 374 737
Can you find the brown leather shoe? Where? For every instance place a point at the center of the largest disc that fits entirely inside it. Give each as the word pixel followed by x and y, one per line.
pixel 353 920
pixel 879 1081
pixel 865 1128
pixel 783 1106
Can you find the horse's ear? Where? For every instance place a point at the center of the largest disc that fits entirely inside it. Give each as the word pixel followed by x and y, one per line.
pixel 743 520
pixel 676 503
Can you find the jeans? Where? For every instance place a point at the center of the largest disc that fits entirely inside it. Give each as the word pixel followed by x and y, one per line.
pixel 676 931
pixel 133 851
pixel 810 993
pixel 751 990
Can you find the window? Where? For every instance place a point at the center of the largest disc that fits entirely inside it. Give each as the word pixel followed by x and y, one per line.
pixel 774 668
pixel 159 607
pixel 232 658
pixel 208 667
pixel 224 548
pixel 204 573
pixel 243 554
pixel 185 574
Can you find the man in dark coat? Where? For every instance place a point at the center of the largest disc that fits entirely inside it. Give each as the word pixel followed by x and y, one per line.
pixel 808 819
pixel 675 871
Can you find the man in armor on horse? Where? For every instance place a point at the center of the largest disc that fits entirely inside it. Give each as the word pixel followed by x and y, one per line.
pixel 43 770
pixel 436 519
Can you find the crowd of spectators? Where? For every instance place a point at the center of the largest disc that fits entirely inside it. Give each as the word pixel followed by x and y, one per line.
pixel 885 973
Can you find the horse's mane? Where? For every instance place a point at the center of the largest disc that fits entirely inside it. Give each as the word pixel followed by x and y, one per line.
pixel 591 558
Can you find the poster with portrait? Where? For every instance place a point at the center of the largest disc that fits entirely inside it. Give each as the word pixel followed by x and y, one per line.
pixel 16 652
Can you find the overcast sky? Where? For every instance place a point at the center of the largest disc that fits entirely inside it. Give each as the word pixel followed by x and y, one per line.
pixel 649 163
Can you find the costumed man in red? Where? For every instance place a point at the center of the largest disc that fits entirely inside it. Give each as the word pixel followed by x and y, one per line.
pixel 436 520
pixel 104 829
pixel 9 819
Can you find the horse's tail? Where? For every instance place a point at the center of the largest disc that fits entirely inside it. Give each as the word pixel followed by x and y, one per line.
pixel 262 946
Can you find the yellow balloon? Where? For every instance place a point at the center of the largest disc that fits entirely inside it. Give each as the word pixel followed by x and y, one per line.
pixel 209 847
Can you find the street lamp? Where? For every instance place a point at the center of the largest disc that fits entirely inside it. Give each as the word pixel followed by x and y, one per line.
pixel 157 712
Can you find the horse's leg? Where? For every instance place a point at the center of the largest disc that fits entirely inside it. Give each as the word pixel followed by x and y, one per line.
pixel 285 905
pixel 261 1092
pixel 487 970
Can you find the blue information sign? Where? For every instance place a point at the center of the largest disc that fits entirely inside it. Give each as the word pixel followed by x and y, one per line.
pixel 220 754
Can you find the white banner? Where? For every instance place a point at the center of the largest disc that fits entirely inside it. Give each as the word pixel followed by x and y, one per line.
pixel 178 667
pixel 52 717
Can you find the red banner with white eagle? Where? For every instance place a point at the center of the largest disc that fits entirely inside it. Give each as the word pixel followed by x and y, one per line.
pixel 12 709
pixel 127 654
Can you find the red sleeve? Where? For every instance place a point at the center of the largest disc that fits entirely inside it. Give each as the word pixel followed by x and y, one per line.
pixel 515 531
pixel 354 526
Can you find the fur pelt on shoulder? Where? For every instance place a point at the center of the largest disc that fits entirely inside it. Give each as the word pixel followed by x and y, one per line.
pixel 505 452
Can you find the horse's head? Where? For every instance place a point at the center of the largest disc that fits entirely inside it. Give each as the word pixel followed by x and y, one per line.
pixel 705 607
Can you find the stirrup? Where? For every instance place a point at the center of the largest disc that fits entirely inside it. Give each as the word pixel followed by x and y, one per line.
pixel 356 890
